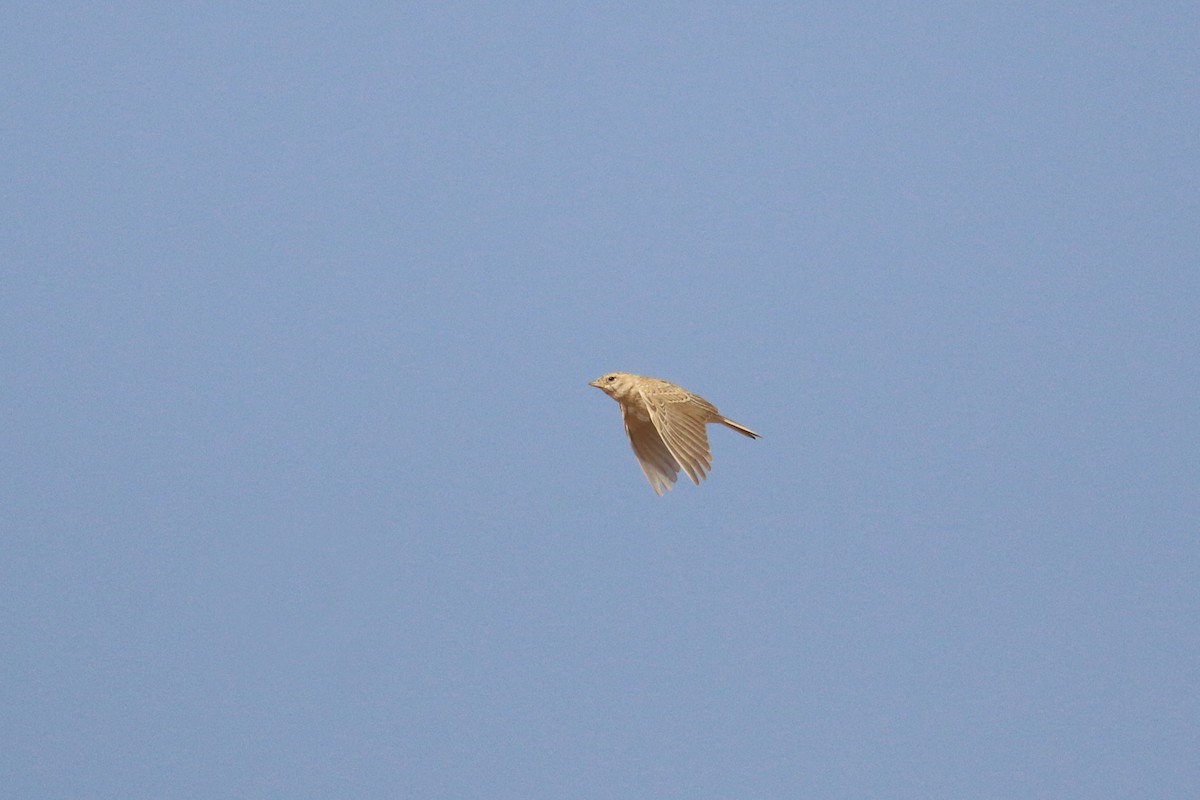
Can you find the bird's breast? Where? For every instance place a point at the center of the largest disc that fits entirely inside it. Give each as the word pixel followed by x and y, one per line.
pixel 638 412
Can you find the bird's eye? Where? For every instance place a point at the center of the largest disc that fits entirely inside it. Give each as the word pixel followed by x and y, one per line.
pixel 611 378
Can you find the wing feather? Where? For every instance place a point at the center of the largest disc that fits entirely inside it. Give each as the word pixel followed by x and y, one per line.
pixel 681 423
pixel 656 461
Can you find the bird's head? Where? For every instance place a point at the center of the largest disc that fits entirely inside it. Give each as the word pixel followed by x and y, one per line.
pixel 615 384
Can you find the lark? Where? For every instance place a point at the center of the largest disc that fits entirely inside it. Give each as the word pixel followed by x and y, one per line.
pixel 666 426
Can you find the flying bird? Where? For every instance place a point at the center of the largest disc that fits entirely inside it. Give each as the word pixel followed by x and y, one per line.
pixel 666 426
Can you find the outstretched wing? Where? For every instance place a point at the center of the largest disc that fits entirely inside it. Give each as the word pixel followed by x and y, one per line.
pixel 656 460
pixel 680 418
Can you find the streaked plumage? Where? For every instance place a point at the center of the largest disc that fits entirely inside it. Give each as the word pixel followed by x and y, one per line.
pixel 666 426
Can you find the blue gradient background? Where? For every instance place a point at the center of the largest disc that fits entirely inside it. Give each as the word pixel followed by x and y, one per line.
pixel 304 494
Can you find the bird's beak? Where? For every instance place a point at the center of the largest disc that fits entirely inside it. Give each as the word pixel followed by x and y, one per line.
pixel 595 383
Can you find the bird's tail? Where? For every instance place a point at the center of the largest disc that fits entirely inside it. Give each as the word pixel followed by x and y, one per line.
pixel 742 429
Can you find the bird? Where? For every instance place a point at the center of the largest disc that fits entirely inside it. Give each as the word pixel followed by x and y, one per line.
pixel 666 426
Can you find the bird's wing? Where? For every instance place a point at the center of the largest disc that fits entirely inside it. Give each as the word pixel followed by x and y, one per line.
pixel 680 417
pixel 652 454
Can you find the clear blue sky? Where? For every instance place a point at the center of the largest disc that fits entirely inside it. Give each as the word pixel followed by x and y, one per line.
pixel 304 493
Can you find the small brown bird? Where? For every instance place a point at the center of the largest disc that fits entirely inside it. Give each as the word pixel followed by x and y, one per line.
pixel 666 426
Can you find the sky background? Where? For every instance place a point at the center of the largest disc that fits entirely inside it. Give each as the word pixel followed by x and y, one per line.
pixel 304 493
